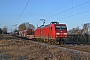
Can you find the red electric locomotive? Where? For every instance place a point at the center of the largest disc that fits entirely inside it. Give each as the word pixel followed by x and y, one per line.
pixel 54 31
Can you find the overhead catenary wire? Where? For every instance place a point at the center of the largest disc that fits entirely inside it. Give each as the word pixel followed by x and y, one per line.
pixel 59 7
pixel 75 14
pixel 72 11
pixel 22 11
pixel 69 9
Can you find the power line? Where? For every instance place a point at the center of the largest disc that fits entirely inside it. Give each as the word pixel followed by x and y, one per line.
pixel 68 9
pixel 59 7
pixel 23 11
pixel 73 10
pixel 75 14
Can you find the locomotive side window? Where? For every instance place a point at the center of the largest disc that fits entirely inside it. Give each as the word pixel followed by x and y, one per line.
pixel 61 28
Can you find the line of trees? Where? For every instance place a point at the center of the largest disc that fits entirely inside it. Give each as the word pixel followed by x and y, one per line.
pixel 0 31
pixel 25 26
pixel 3 30
pixel 22 26
pixel 80 35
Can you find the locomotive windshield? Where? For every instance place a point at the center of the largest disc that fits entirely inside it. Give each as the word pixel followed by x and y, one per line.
pixel 61 28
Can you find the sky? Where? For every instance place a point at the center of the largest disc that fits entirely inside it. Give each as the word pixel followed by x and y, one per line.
pixel 71 12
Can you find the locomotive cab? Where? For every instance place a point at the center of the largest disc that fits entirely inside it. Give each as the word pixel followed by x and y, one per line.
pixel 61 33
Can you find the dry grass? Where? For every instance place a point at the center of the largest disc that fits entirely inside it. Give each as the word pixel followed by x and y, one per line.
pixel 27 50
pixel 19 50
pixel 85 48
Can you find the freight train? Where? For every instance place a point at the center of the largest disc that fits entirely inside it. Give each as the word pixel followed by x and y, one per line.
pixel 52 32
pixel 27 34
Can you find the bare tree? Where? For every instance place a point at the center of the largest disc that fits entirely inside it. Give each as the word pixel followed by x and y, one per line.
pixel 22 27
pixel 86 28
pixel 25 26
pixel 0 31
pixel 31 26
pixel 4 30
pixel 76 30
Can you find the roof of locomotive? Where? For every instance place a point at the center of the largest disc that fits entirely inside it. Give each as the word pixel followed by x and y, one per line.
pixel 52 23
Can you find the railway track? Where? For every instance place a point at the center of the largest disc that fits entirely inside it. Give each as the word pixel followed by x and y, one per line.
pixel 80 47
pixel 75 51
pixel 75 46
pixel 84 48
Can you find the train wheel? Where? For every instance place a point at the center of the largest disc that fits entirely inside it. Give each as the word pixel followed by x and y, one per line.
pixel 61 42
pixel 57 43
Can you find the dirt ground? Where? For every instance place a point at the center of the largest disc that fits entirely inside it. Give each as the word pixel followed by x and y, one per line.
pixel 18 49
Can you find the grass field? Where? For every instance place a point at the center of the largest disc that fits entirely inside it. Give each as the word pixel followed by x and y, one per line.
pixel 16 49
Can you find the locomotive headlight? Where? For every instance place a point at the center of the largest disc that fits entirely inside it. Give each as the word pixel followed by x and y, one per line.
pixel 57 33
pixel 65 33
pixel 56 36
